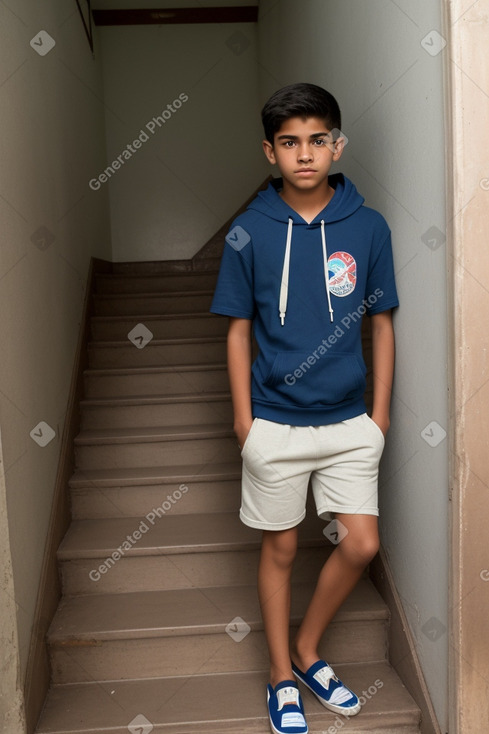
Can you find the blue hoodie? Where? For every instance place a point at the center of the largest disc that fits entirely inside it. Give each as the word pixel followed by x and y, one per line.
pixel 306 288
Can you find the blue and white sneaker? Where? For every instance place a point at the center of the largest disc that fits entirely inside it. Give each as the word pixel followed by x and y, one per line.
pixel 285 709
pixel 332 693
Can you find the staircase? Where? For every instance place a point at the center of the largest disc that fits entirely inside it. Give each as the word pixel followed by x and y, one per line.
pixel 159 627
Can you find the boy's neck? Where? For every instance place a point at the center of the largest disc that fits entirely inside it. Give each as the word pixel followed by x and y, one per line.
pixel 308 203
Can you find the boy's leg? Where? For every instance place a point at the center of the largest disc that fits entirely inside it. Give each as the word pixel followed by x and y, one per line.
pixel 338 577
pixel 277 556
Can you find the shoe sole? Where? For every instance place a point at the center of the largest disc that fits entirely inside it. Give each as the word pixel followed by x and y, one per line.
pixel 277 731
pixel 353 711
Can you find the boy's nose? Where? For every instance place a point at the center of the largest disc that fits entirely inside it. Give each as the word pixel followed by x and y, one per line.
pixel 305 154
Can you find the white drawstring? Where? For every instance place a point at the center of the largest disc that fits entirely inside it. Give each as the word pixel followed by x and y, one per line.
pixel 284 287
pixel 325 261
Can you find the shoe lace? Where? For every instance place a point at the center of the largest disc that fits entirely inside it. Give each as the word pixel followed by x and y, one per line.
pixel 288 696
pixel 341 694
pixel 325 675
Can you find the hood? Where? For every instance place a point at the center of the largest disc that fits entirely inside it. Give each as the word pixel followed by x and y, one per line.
pixel 345 202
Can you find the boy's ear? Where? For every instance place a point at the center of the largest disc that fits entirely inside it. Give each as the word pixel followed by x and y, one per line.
pixel 339 146
pixel 269 151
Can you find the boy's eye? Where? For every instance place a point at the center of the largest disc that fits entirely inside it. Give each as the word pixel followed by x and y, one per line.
pixel 317 142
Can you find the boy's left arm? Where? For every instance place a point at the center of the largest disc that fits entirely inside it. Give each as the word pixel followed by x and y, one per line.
pixel 383 350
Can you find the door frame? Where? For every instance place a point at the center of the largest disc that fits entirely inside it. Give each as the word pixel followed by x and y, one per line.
pixel 467 112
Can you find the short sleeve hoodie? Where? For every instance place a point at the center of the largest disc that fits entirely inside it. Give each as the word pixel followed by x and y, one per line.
pixel 306 287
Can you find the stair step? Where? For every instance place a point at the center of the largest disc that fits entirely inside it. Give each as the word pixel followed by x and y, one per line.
pixel 232 703
pixel 171 533
pixel 182 612
pixel 133 492
pixel 179 571
pixel 156 410
pixel 157 283
pixel 136 381
pixel 166 267
pixel 139 304
pixel 182 631
pixel 133 447
pixel 177 551
pixel 161 326
pixel 157 352
pixel 136 476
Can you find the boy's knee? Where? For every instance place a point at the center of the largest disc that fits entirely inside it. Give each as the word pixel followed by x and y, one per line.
pixel 369 548
pixel 361 549
pixel 280 546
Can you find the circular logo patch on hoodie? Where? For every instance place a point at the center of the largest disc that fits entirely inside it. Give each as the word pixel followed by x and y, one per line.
pixel 342 271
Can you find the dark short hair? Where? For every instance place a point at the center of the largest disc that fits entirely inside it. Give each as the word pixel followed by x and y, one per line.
pixel 299 100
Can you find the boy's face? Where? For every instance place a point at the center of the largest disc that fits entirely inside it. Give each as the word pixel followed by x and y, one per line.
pixel 304 150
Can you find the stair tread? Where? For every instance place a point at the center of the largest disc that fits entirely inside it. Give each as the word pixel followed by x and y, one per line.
pixel 157 317
pixel 154 475
pixel 179 612
pixel 171 341
pixel 231 703
pixel 170 534
pixel 94 372
pixel 153 294
pixel 135 276
pixel 157 399
pixel 152 433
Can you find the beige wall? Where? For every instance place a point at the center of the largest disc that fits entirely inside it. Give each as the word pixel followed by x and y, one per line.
pixel 51 118
pixel 469 267
pixel 201 162
pixel 371 56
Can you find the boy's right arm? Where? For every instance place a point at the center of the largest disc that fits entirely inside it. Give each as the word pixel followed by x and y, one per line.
pixel 239 370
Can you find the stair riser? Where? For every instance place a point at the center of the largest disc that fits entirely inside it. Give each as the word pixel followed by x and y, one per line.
pixel 98 502
pixel 155 355
pixel 325 724
pixel 360 641
pixel 153 305
pixel 177 571
pixel 161 328
pixel 153 415
pixel 158 453
pixel 255 726
pixel 198 264
pixel 156 283
pixel 156 383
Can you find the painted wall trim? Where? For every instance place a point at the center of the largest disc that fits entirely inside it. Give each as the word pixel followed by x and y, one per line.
pixel 166 16
pixel 12 717
pixel 402 649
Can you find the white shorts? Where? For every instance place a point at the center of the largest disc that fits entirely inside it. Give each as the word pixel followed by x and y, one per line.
pixel 340 459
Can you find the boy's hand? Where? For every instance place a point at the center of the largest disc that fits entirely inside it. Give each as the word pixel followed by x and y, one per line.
pixel 241 430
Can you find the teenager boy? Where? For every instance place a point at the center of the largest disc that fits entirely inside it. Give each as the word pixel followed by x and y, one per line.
pixel 301 266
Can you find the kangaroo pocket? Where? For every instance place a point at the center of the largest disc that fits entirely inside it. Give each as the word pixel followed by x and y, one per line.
pixel 327 379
